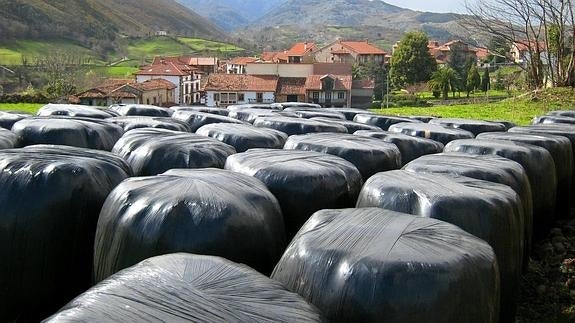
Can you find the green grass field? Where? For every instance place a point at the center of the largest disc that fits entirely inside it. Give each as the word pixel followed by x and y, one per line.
pixel 11 52
pixel 200 45
pixel 21 107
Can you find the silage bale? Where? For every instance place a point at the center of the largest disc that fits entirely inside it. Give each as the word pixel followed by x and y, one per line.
pixel 490 211
pixel 376 265
pixel 50 201
pixel 562 113
pixel 202 211
pixel 8 119
pixel 381 121
pixel 188 288
pixel 153 151
pixel 250 115
pixel 295 105
pixel 266 106
pixel 74 110
pixel 195 120
pixel 318 113
pixel 77 132
pixel 243 137
pixel 410 147
pixel 297 126
pixel 351 126
pixel 369 155
pixel 431 131
pixel 302 181
pixel 350 113
pixel 474 126
pixel 140 110
pixel 425 119
pixel 8 139
pixel 553 120
pixel 134 122
pixel 201 108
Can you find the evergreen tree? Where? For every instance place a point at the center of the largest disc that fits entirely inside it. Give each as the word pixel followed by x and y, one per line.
pixel 411 62
pixel 445 79
pixel 473 79
pixel 485 80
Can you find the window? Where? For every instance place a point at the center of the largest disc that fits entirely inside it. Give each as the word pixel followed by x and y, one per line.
pixel 315 95
pixel 216 97
pixel 341 95
pixel 259 97
pixel 148 101
pixel 241 97
pixel 328 96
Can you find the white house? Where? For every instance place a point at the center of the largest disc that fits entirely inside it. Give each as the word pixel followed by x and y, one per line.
pixel 185 78
pixel 228 89
pixel 238 65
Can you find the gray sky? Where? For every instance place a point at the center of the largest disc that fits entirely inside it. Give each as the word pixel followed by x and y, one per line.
pixel 431 5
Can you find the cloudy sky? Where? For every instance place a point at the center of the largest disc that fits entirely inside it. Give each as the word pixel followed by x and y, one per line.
pixel 431 5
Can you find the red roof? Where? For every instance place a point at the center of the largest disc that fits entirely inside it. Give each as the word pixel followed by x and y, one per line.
pixel 362 47
pixel 155 84
pixel 363 84
pixel 164 68
pixel 342 82
pixel 241 82
pixel 300 49
pixel 291 86
pixel 243 60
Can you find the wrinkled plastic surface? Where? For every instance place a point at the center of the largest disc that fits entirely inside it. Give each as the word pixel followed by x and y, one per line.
pixel 202 211
pixel 243 137
pixel 252 106
pixel 562 113
pixel 295 105
pixel 538 165
pixel 490 211
pixel 8 119
pixel 384 122
pixel 422 118
pixel 302 181
pixel 140 110
pixel 188 288
pixel 195 120
pixel 218 111
pixel 376 265
pixel 74 110
pixel 50 200
pixel 77 132
pixel 8 139
pixel 553 120
pixel 153 151
pixel 250 115
pixel 349 113
pixel 431 131
pixel 134 122
pixel 558 129
pixel 410 147
pixel 474 126
pixel 350 125
pixel 297 126
pixel 369 155
pixel 319 113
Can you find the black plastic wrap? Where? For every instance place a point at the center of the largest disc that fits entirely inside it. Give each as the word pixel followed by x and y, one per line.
pixel 252 106
pixel 318 113
pixel 8 139
pixel 140 110
pixel 553 120
pixel 295 105
pixel 74 110
pixel 349 113
pixel 134 122
pixel 558 129
pixel 243 137
pixel 507 124
pixel 562 113
pixel 195 120
pixel 250 115
pixel 474 126
pixel 369 155
pixel 410 147
pixel 201 108
pixel 490 211
pixel 77 132
pixel 560 149
pixel 490 168
pixel 188 288
pixel 422 118
pixel 431 131
pixel 302 181
pixel 376 265
pixel 153 151
pixel 8 119
pixel 384 122
pixel 538 165
pixel 351 126
pixel 202 211
pixel 297 126
pixel 50 200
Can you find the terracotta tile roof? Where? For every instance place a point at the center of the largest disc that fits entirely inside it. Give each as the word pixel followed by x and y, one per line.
pixel 120 88
pixel 243 60
pixel 482 53
pixel 155 84
pixel 165 68
pixel 342 82
pixel 300 49
pixel 363 84
pixel 362 47
pixel 340 52
pixel 524 45
pixel 291 86
pixel 240 82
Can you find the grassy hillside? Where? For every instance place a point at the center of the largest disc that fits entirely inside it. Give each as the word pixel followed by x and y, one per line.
pixel 11 52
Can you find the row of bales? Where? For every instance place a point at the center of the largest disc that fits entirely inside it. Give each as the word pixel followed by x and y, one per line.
pixel 283 212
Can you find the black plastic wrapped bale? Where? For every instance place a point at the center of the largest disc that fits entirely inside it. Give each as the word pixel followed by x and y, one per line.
pixel 508 124
pixel 77 132
pixel 553 120
pixel 562 153
pixel 202 211
pixel 134 122
pixel 243 137
pixel 539 166
pixel 431 131
pixel 319 113
pixel 562 113
pixel 295 105
pixel 8 139
pixel 369 155
pixel 154 151
pixel 490 168
pixel 188 288
pixel 297 126
pixel 351 126
pixel 557 129
pixel 236 107
pixel 74 110
pixel 302 181
pixel 384 122
pixel 50 200
pixel 410 147
pixel 422 118
pixel 349 113
pixel 212 110
pixel 8 119
pixel 376 265
pixel 195 120
pixel 140 110
pixel 474 126
pixel 250 115
pixel 490 211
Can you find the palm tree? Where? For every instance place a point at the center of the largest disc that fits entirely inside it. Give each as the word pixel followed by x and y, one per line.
pixel 443 80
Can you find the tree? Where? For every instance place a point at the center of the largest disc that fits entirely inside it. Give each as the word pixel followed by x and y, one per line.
pixel 372 71
pixel 485 80
pixel 443 80
pixel 473 79
pixel 411 62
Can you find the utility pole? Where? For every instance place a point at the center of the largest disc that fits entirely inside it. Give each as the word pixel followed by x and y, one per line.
pixel 387 90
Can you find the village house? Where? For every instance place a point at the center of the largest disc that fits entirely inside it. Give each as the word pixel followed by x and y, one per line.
pixel 115 91
pixel 301 53
pixel 350 52
pixel 444 53
pixel 226 89
pixel 520 51
pixel 274 57
pixel 237 65
pixel 185 77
